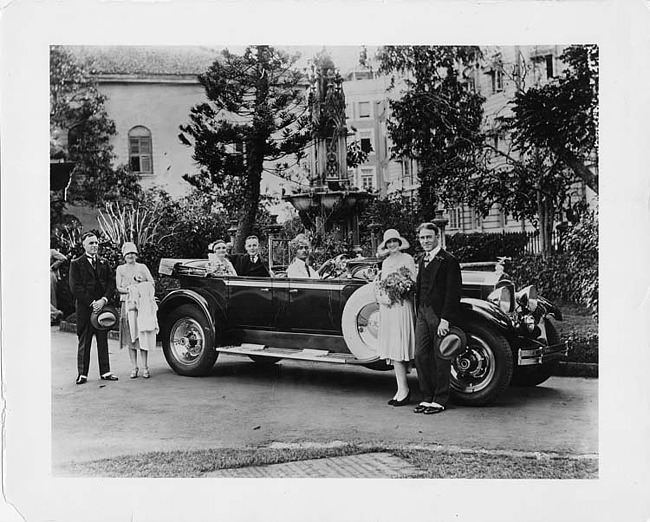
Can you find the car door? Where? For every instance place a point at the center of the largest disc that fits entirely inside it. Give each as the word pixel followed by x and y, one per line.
pixel 250 302
pixel 308 305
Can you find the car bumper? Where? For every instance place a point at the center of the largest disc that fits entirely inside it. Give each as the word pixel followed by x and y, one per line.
pixel 542 354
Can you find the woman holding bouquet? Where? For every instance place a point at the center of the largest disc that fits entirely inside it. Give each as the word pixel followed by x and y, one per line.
pixel 394 290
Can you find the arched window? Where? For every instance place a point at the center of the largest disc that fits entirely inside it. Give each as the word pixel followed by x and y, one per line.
pixel 140 158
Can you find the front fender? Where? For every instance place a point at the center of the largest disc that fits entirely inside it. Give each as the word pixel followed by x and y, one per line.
pixel 477 309
pixel 211 308
pixel 549 308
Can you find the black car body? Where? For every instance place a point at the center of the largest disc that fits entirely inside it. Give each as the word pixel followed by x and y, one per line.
pixel 511 336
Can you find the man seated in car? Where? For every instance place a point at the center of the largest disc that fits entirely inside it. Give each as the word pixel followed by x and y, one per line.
pixel 299 267
pixel 250 263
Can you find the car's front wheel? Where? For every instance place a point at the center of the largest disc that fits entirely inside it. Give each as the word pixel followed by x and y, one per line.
pixel 483 371
pixel 188 342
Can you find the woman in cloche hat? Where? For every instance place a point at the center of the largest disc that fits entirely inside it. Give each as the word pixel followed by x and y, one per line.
pixel 396 319
pixel 134 294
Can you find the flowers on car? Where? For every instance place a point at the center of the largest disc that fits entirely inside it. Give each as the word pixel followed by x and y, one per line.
pixel 395 287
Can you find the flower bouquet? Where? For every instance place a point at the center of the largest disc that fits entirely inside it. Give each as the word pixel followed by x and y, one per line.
pixel 395 288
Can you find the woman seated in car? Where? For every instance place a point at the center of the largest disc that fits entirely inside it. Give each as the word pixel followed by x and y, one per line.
pixel 299 267
pixel 218 263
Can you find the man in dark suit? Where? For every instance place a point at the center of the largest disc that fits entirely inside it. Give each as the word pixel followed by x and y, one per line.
pixel 250 263
pixel 437 291
pixel 92 284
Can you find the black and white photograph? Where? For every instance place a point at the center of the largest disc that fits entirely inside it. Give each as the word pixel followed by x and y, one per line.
pixel 281 254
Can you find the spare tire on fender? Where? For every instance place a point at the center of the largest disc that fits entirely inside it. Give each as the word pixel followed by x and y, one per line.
pixel 360 324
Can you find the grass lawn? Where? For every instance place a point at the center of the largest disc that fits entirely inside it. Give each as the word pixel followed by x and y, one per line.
pixel 437 463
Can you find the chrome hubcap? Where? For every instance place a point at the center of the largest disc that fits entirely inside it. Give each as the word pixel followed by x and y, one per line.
pixel 368 324
pixel 186 340
pixel 473 370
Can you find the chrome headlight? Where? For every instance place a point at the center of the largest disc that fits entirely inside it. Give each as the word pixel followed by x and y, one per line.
pixel 502 297
pixel 527 298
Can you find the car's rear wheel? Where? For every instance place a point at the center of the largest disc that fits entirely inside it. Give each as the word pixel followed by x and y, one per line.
pixel 188 342
pixel 534 375
pixel 483 371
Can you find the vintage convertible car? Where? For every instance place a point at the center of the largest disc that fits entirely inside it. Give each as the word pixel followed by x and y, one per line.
pixel 511 336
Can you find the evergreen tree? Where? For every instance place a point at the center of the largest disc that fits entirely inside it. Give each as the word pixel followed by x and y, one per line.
pixel 255 115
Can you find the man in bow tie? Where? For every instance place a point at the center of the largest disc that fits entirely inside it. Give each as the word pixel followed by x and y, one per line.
pixel 92 284
pixel 250 263
pixel 437 296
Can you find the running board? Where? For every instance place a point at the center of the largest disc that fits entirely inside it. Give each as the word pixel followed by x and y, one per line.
pixel 288 353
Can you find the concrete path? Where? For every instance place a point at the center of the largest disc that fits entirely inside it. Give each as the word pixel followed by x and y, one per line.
pixel 241 404
pixel 367 465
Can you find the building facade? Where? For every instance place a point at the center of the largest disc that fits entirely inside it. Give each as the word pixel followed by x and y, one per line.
pixel 151 90
pixel 367 98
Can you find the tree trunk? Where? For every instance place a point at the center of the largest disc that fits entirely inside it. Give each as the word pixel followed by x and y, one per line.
pixel 580 169
pixel 262 129
pixel 546 212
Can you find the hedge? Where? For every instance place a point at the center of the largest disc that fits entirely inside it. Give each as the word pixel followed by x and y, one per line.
pixel 470 248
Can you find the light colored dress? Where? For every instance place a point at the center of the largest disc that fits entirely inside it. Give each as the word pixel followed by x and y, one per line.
pixel 220 266
pixel 397 321
pixel 126 276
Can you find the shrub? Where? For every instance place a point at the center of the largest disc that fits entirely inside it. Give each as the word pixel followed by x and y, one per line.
pixel 571 275
pixel 128 222
pixel 581 242
pixel 583 348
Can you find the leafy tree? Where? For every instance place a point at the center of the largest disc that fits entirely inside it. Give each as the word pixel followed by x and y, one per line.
pixel 437 120
pixel 400 211
pixel 256 114
pixel 80 131
pixel 562 116
pixel 553 132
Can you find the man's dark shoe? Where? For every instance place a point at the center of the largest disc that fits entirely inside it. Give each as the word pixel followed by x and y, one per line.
pixel 431 410
pixel 109 377
pixel 81 380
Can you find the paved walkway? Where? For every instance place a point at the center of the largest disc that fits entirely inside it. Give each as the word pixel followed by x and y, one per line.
pixel 243 405
pixel 367 465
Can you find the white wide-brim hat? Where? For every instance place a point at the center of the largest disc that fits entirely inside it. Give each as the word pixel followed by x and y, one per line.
pixel 129 248
pixel 391 233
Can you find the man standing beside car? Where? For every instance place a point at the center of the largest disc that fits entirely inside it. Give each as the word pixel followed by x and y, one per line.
pixel 437 296
pixel 250 263
pixel 92 284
